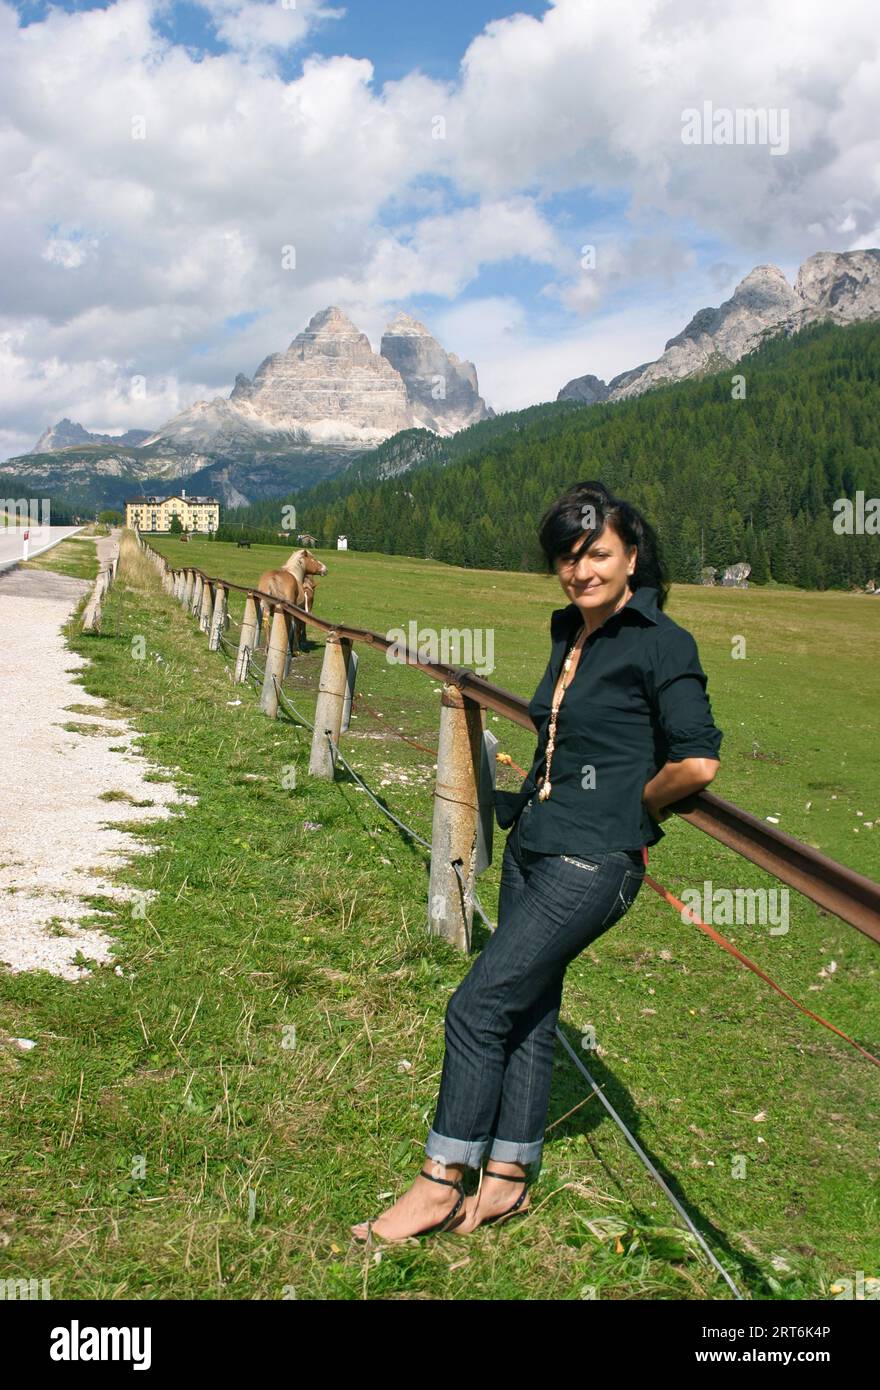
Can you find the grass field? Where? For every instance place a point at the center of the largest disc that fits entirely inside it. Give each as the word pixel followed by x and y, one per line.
pixel 264 1071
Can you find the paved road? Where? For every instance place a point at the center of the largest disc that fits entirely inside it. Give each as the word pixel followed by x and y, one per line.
pixel 42 538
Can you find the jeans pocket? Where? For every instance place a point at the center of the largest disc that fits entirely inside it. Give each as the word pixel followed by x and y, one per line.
pixel 592 864
pixel 627 893
pixel 561 883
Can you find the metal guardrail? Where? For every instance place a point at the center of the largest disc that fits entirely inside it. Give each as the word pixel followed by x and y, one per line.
pixel 847 894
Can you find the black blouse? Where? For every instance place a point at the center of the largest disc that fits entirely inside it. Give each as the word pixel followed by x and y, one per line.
pixel 637 701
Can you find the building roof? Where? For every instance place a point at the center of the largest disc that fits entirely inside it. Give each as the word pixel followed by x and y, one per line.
pixel 174 496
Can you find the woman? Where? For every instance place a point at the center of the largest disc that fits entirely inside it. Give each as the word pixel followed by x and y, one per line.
pixel 624 728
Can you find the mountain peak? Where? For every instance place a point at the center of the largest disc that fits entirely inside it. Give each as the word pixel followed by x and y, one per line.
pixel 404 325
pixel 331 320
pixel 441 389
pixel 68 434
pixel 329 388
pixel 763 274
pixel 766 283
pixel 843 286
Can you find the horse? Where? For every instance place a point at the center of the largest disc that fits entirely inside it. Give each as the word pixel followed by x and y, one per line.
pixel 308 603
pixel 288 583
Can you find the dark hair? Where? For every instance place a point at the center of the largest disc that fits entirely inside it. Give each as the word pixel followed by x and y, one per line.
pixel 562 526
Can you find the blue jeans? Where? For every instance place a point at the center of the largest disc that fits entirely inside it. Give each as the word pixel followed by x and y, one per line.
pixel 500 1022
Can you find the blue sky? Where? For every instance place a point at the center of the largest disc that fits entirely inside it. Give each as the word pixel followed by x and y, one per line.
pixel 396 35
pixel 156 256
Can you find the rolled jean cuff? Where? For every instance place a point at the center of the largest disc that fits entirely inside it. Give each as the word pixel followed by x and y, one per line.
pixel 442 1149
pixel 509 1151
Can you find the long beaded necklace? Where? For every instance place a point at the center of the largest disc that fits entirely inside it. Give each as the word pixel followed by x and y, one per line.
pixel 546 787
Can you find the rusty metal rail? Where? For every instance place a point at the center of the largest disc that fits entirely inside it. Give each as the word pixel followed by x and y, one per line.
pixel 847 894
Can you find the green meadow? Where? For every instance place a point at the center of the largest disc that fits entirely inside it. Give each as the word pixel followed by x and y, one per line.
pixel 263 1072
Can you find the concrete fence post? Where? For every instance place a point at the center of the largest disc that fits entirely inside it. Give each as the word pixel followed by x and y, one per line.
pixel 196 595
pixel 218 617
pixel 206 607
pixel 275 654
pixel 454 827
pixel 188 583
pixel 247 640
pixel 328 709
pixel 92 613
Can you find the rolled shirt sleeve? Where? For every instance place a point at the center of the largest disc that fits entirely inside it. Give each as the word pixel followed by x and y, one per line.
pixel 681 704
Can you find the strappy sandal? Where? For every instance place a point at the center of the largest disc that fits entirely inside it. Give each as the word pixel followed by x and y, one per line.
pixel 448 1223
pixel 511 1211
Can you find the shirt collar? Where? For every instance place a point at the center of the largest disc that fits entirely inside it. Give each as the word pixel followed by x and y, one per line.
pixel 644 600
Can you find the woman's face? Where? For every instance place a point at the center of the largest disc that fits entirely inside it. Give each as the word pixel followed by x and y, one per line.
pixel 595 578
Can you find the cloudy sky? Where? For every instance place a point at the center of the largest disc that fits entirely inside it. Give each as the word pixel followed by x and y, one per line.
pixel 159 160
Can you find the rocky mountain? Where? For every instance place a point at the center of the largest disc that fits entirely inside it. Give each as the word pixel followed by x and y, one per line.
pixel 838 286
pixel 329 384
pixel 69 434
pixel 586 390
pixel 305 415
pixel 330 388
pixel 441 390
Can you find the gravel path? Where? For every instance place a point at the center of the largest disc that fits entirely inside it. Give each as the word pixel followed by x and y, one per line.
pixel 55 844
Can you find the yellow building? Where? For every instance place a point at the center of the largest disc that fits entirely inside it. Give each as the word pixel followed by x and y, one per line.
pixel 155 513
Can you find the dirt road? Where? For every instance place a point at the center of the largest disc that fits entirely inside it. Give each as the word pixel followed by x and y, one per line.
pixel 55 841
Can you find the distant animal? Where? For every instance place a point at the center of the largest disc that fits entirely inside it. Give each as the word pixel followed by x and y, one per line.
pixel 288 583
pixel 309 585
pixel 243 545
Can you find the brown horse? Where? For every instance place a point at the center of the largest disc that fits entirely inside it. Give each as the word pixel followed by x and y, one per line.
pixel 308 586
pixel 288 583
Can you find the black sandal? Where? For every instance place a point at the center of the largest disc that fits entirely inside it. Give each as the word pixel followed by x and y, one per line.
pixel 511 1211
pixel 447 1224
pixel 444 1225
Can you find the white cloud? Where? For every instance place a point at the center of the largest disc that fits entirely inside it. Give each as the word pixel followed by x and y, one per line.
pixel 147 192
pixel 264 30
pixel 520 363
pixel 595 94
